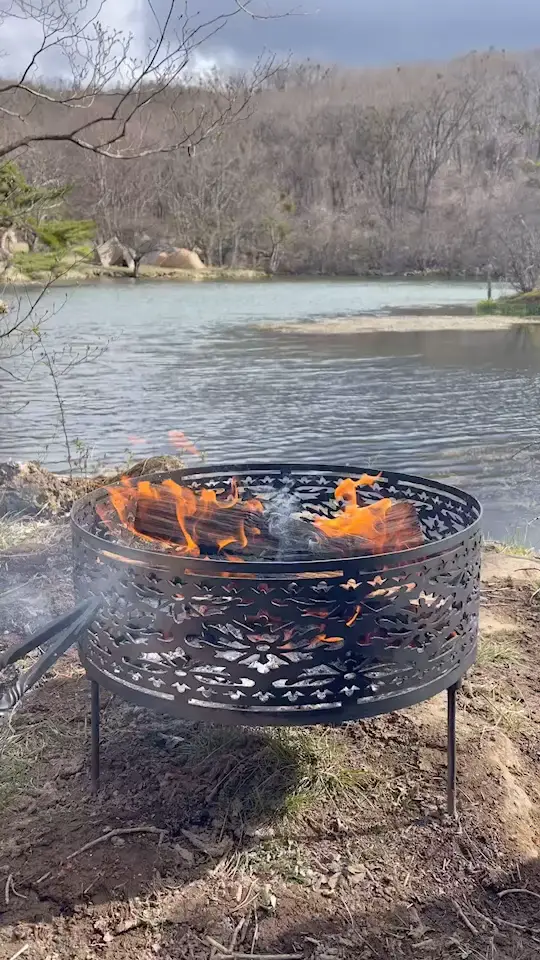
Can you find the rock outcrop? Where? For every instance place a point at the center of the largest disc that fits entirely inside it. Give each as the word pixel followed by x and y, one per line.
pixel 112 253
pixel 180 259
pixel 10 243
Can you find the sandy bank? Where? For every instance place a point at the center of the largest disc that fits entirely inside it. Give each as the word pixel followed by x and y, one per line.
pixel 412 324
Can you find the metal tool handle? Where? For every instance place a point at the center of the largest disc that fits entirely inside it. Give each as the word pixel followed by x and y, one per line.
pixel 63 632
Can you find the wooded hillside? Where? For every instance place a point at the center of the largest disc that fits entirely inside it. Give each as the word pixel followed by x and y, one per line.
pixel 327 171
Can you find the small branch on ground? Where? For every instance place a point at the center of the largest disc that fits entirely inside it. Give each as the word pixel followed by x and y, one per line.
pixel 470 926
pixel 119 832
pixel 226 954
pixel 530 893
pixel 20 951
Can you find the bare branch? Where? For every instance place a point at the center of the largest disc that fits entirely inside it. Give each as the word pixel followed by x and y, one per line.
pixel 96 56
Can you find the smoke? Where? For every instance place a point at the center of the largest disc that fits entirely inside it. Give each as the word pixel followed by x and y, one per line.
pixel 295 536
pixel 35 577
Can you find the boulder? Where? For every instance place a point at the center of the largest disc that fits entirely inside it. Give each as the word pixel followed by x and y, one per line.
pixel 10 243
pixel 181 259
pixel 152 259
pixel 112 253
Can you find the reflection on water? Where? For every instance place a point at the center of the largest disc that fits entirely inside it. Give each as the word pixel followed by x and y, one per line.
pixel 460 406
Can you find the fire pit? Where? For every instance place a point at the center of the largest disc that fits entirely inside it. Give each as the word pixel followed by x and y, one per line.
pixel 233 595
pixel 270 594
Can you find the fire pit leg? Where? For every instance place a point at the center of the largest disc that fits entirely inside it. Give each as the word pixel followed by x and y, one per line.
pixel 451 747
pixel 94 722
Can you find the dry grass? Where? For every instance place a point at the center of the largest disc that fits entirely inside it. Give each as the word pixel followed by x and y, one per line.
pixel 29 751
pixel 81 272
pixel 496 699
pixel 19 753
pixel 499 649
pixel 499 704
pixel 15 530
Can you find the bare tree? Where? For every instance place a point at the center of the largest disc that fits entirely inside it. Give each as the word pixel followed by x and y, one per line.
pixel 105 106
pixel 330 171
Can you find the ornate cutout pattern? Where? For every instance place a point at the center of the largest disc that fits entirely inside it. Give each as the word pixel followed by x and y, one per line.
pixel 348 642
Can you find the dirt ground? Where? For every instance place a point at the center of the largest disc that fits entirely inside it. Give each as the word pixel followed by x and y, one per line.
pixel 325 844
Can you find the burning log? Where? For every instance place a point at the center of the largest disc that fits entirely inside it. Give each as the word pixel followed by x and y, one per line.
pixel 399 530
pixel 205 523
pixel 209 533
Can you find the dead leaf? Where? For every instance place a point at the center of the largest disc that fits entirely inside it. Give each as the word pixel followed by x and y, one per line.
pixel 206 845
pixel 186 855
pixel 126 925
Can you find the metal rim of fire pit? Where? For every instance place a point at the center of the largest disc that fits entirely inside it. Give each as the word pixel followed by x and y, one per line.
pixel 203 565
pixel 442 648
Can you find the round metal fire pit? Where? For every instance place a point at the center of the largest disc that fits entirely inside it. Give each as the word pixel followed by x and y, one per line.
pixel 295 642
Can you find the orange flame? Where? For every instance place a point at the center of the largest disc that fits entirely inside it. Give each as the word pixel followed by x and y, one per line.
pixel 210 521
pixel 383 525
pixel 178 516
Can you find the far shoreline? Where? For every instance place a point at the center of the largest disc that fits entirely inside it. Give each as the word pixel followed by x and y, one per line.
pixel 83 273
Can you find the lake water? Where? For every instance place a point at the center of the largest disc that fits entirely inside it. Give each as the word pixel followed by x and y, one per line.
pixel 459 406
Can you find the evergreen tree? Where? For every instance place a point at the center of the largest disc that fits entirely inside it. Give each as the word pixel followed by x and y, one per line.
pixel 28 209
pixel 20 202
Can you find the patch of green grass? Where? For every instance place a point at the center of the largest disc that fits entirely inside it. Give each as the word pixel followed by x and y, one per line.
pixel 85 250
pixel 514 548
pixel 486 307
pixel 33 264
pixel 325 772
pixel 518 305
pixel 280 771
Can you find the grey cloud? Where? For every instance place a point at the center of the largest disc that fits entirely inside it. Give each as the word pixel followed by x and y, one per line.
pixel 375 31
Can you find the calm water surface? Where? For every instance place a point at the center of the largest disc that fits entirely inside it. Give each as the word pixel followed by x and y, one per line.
pixel 459 406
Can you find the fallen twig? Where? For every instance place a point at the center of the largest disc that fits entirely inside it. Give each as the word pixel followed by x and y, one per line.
pixel 12 590
pixel 507 923
pixel 530 893
pixel 470 926
pixel 227 954
pixel 20 951
pixel 16 893
pixel 119 832
pixel 7 889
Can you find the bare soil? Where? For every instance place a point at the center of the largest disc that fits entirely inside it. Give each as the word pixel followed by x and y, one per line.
pixel 240 850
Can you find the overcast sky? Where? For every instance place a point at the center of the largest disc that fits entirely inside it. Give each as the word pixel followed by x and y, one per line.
pixel 349 32
pixel 356 32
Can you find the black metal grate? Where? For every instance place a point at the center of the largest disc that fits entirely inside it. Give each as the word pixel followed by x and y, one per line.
pixel 298 641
